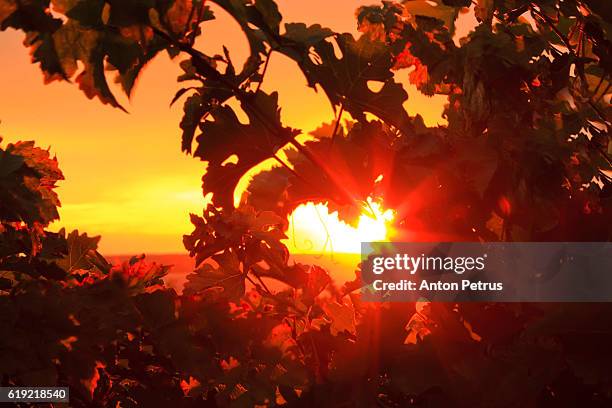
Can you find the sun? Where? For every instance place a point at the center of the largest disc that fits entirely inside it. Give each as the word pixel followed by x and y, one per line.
pixel 314 230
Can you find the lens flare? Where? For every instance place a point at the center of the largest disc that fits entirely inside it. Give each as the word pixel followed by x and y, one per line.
pixel 314 230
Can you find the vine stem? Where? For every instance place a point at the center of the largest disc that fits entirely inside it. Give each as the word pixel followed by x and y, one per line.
pixel 601 80
pixel 599 113
pixel 263 284
pixel 265 291
pixel 604 93
pixel 265 69
pixel 552 25
pixel 337 125
pixel 573 31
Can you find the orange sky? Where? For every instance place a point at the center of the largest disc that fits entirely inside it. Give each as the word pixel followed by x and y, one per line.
pixel 126 177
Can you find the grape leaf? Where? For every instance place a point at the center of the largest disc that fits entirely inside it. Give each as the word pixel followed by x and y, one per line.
pixel 227 275
pixel 82 253
pixel 342 317
pixel 99 35
pixel 213 92
pixel 298 38
pixel 345 175
pixel 28 177
pixel 345 79
pixel 243 229
pixel 457 3
pixel 252 143
pixel 136 272
pixel 438 9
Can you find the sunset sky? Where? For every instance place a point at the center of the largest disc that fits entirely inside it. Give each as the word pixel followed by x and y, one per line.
pixel 126 178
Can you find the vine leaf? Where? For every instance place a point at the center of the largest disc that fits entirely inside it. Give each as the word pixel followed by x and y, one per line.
pixel 317 281
pixel 268 11
pixel 28 177
pixel 342 317
pixel 298 38
pixel 226 275
pixel 100 36
pixel 353 162
pixel 267 191
pixel 346 80
pixel 252 143
pixel 193 110
pixel 243 229
pixel 82 252
pixel 136 272
pixel 442 10
pixel 457 3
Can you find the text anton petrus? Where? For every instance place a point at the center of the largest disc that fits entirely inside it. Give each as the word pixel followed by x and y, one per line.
pixel 497 271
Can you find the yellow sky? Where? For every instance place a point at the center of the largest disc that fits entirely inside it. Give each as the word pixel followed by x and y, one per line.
pixel 126 177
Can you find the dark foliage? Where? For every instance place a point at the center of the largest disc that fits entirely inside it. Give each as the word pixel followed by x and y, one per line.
pixel 525 157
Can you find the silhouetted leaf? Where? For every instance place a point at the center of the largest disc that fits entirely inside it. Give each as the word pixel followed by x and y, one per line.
pixel 82 253
pixel 28 175
pixel 226 275
pixel 252 143
pixel 345 79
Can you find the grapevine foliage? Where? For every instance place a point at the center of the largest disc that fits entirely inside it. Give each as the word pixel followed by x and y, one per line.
pixel 525 156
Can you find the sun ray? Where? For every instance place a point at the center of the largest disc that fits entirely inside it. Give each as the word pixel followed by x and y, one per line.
pixel 314 230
